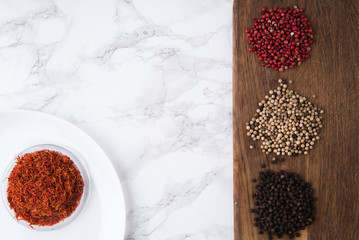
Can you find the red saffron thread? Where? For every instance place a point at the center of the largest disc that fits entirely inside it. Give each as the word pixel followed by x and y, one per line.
pixel 44 187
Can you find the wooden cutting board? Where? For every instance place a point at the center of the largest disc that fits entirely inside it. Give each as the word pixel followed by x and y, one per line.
pixel 331 73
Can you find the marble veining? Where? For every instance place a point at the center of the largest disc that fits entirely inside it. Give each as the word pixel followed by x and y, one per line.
pixel 151 82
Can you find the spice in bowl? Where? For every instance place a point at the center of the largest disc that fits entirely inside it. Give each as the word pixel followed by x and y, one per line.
pixel 44 187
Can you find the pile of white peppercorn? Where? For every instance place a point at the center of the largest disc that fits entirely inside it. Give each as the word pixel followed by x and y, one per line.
pixel 285 122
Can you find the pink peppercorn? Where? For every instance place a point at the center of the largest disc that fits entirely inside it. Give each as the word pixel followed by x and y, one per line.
pixel 281 38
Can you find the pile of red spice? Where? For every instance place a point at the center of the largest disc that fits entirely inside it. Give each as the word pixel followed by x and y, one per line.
pixel 44 187
pixel 281 38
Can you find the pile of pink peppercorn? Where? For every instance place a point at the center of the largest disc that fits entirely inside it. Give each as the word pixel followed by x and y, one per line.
pixel 281 38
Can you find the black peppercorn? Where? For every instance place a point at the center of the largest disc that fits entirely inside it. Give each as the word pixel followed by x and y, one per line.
pixel 284 204
pixel 274 160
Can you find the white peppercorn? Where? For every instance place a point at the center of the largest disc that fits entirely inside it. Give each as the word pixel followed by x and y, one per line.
pixel 285 122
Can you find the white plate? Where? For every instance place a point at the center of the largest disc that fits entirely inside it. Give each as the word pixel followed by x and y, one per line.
pixel 104 215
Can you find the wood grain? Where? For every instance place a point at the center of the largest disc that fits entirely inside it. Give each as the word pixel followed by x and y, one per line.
pixel 331 73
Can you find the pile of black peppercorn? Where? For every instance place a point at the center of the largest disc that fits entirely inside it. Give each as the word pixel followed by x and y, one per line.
pixel 284 204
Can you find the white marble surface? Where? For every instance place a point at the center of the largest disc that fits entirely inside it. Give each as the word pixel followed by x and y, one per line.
pixel 151 82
